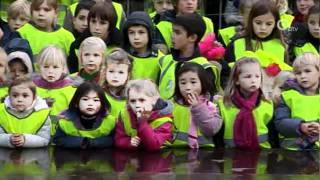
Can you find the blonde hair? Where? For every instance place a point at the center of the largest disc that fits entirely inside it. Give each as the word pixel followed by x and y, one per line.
pixel 4 61
pixel 119 56
pixel 52 55
pixel 93 42
pixel 306 59
pixel 145 86
pixel 19 7
pixel 234 76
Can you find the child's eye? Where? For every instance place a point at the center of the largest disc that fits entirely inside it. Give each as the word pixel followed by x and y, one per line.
pixel 130 32
pixel 111 71
pixel 141 100
pixel 96 55
pixel 121 72
pixel 103 22
pixel 142 32
pixel 193 82
pixel 84 99
pixel 97 100
pixel 55 67
pixel 86 54
pixel 25 95
pixel 46 66
pixel 132 101
pixel 258 22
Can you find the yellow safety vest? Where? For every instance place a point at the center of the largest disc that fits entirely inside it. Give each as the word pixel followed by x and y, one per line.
pixel 271 52
pixel 3 92
pixel 303 107
pixel 126 121
pixel 306 48
pixel 61 97
pixel 181 121
pixel 286 20
pixel 262 114
pixel 167 74
pixel 227 34
pixel 151 63
pixel 29 125
pixel 40 39
pixel 105 128
pixel 115 105
pixel 117 6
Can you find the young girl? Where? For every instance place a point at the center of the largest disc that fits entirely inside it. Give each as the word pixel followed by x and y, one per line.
pixel 195 117
pixel 302 10
pixel 43 30
pixel 53 83
pixel 87 122
pixel 102 24
pixel 246 113
pixel 297 115
pixel 261 37
pixel 91 56
pixel 118 73
pixel 147 120
pixel 24 118
pixel 3 74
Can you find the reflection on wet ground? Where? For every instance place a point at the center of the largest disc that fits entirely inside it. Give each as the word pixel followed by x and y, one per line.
pixel 169 164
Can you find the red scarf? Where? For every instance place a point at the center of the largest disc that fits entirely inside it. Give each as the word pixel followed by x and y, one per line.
pixel 244 129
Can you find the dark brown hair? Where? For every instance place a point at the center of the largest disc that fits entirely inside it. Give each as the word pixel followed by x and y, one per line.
pixel 24 81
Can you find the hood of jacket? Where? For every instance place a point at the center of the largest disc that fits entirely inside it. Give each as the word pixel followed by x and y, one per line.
pixel 25 59
pixel 292 84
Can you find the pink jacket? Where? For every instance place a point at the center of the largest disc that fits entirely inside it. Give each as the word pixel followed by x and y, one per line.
pixel 150 139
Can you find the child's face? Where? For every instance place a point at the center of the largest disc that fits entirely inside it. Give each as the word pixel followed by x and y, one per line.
pixel 21 97
pixel 162 5
pixel 44 16
pixel 51 73
pixel 307 76
pixel 99 28
pixel 313 25
pixel 138 37
pixel 92 59
pixel 249 79
pixel 263 25
pixel 90 104
pixel 180 37
pixel 140 102
pixel 80 22
pixel 187 6
pixel 17 22
pixel 303 6
pixel 189 83
pixel 17 70
pixel 117 74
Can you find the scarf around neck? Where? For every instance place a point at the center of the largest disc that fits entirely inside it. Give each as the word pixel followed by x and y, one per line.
pixel 244 129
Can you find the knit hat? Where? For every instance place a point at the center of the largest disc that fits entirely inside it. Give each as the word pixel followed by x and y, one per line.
pixel 193 23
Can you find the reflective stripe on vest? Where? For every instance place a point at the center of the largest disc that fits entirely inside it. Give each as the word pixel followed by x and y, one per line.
pixel 117 7
pixel 262 115
pixel 227 34
pixel 105 128
pixel 209 26
pixel 146 67
pixel 307 47
pixel 181 121
pixel 30 125
pixel 302 107
pixel 272 51
pixel 167 74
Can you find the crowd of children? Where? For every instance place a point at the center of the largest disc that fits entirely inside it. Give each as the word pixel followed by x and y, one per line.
pixel 160 80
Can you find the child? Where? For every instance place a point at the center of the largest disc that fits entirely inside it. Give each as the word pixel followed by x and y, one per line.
pixel 102 24
pixel 118 73
pixel 18 14
pixel 160 6
pixel 302 10
pixel 261 37
pixel 53 83
pixel 297 115
pixel 246 113
pixel 6 35
pixel 91 56
pixel 147 121
pixel 137 33
pixel 20 65
pixel 43 30
pixel 87 122
pixel 187 32
pixel 306 38
pixel 3 74
pixel 181 7
pixel 195 117
pixel 24 118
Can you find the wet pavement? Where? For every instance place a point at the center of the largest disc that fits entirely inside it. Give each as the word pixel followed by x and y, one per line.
pixel 170 164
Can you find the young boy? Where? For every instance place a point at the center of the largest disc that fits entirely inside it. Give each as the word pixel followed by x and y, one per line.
pixel 160 6
pixel 137 33
pixel 24 118
pixel 187 32
pixel 20 65
pixel 18 14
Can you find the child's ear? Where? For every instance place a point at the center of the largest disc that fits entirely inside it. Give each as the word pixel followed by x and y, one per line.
pixel 193 38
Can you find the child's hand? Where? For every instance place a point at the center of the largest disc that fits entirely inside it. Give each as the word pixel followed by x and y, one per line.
pixel 17 140
pixel 193 99
pixel 143 114
pixel 135 141
pixel 314 128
